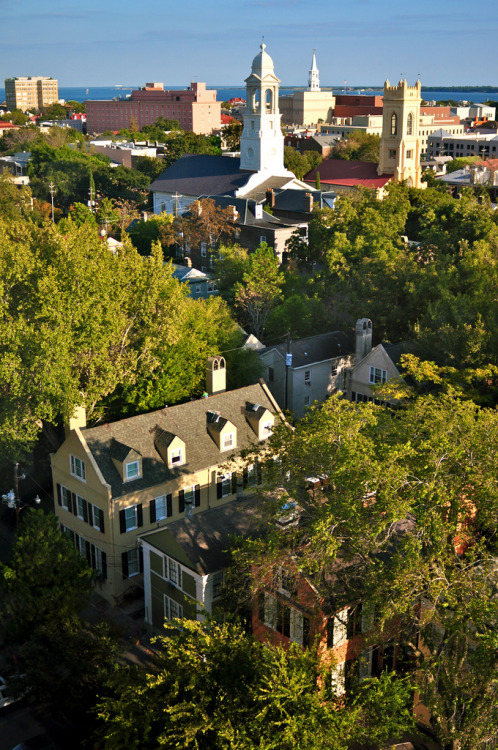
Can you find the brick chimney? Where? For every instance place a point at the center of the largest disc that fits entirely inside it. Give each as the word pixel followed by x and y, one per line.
pixel 308 203
pixel 363 338
pixel 270 198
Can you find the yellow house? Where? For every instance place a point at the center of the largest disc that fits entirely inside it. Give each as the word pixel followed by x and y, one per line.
pixel 117 481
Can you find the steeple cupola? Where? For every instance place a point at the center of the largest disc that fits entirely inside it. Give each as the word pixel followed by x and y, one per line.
pixel 313 79
pixel 262 142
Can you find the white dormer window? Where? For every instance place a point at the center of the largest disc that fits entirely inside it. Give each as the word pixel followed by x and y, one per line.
pixel 78 468
pixel 132 470
pixel 267 428
pixel 176 456
pixel 228 441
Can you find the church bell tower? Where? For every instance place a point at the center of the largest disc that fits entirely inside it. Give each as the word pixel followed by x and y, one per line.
pixel 400 144
pixel 262 142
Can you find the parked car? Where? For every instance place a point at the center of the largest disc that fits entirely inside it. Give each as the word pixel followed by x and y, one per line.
pixel 7 696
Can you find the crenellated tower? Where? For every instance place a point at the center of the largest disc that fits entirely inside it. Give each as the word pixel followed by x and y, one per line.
pixel 400 145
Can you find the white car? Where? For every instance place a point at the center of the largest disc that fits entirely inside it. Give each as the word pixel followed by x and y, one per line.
pixel 5 696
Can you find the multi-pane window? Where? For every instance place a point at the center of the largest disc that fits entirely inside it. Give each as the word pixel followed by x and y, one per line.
pixel 377 375
pixel 251 475
pixel 161 507
pixel 173 571
pixel 130 517
pixel 133 562
pixel 394 124
pixel 218 579
pixel 176 456
pixel 392 153
pixel 172 610
pixel 81 509
pixel 97 517
pixel 203 249
pixel 226 484
pixel 307 377
pixel 65 498
pixel 267 428
pixel 334 370
pixel 228 441
pixel 307 400
pixel 78 468
pixel 132 470
pixel 409 154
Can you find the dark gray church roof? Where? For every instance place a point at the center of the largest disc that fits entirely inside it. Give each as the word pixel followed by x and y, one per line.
pixel 202 174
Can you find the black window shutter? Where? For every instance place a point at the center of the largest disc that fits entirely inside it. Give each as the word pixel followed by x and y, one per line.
pixel 169 506
pixel 141 559
pixel 181 501
pixel 122 522
pixel 85 511
pixel 92 557
pixel 259 473
pixel 104 565
pixel 197 495
pixel 124 564
pixel 234 483
pixel 152 508
pixel 261 606
pixel 101 521
pixel 306 631
pixel 59 494
pixel 140 515
pixel 90 513
pixel 74 504
pixel 219 489
pixel 244 477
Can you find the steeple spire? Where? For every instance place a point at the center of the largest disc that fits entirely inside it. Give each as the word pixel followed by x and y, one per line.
pixel 313 80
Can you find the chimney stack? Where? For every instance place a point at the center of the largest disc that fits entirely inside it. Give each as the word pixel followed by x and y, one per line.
pixel 363 339
pixel 270 198
pixel 308 203
pixel 216 376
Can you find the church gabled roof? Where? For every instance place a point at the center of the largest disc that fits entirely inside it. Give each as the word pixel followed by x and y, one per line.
pixel 348 174
pixel 202 174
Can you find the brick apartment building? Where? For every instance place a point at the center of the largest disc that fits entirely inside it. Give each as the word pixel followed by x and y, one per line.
pixel 195 108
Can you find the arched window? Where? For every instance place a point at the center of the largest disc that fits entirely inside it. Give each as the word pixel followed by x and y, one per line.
pixel 394 124
pixel 269 100
pixel 409 124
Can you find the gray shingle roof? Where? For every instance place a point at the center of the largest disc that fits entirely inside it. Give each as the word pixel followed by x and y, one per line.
pixel 316 348
pixel 205 537
pixel 189 422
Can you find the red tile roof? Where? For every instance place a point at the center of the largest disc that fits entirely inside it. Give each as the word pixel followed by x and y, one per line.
pixel 348 174
pixel 8 125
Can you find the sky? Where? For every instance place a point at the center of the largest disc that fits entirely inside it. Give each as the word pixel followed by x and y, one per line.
pixel 363 42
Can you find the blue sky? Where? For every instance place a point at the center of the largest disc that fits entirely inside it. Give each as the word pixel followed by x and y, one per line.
pixel 91 43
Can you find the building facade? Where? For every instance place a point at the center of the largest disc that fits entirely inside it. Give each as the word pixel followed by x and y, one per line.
pixel 195 108
pixel 309 106
pixel 30 92
pixel 115 482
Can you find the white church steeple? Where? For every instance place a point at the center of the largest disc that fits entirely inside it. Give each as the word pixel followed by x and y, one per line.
pixel 262 142
pixel 313 80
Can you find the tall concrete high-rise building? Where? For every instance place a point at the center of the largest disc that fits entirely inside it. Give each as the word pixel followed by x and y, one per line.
pixel 30 92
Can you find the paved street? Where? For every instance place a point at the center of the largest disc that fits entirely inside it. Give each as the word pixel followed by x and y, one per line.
pixel 17 723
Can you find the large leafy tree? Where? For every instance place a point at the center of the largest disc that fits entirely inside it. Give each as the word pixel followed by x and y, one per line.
pixel 260 289
pixel 215 687
pixel 405 516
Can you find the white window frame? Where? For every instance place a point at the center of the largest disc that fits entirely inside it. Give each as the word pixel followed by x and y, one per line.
pixel 97 514
pixel 218 581
pixel 66 498
pixel 131 508
pixel 127 470
pixel 267 427
pixel 224 441
pixel 252 475
pixel 78 468
pixel 307 400
pixel 176 456
pixel 162 500
pixel 172 609
pixel 307 377
pixel 80 508
pixel 133 560
pixel 334 370
pixel 377 375
pixel 173 572
pixel 226 484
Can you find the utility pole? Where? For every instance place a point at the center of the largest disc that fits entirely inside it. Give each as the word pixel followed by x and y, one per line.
pixel 52 191
pixel 288 363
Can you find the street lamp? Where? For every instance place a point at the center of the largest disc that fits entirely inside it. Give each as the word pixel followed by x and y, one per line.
pixel 12 499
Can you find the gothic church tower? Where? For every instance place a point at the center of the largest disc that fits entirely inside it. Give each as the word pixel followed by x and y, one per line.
pixel 262 142
pixel 400 144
